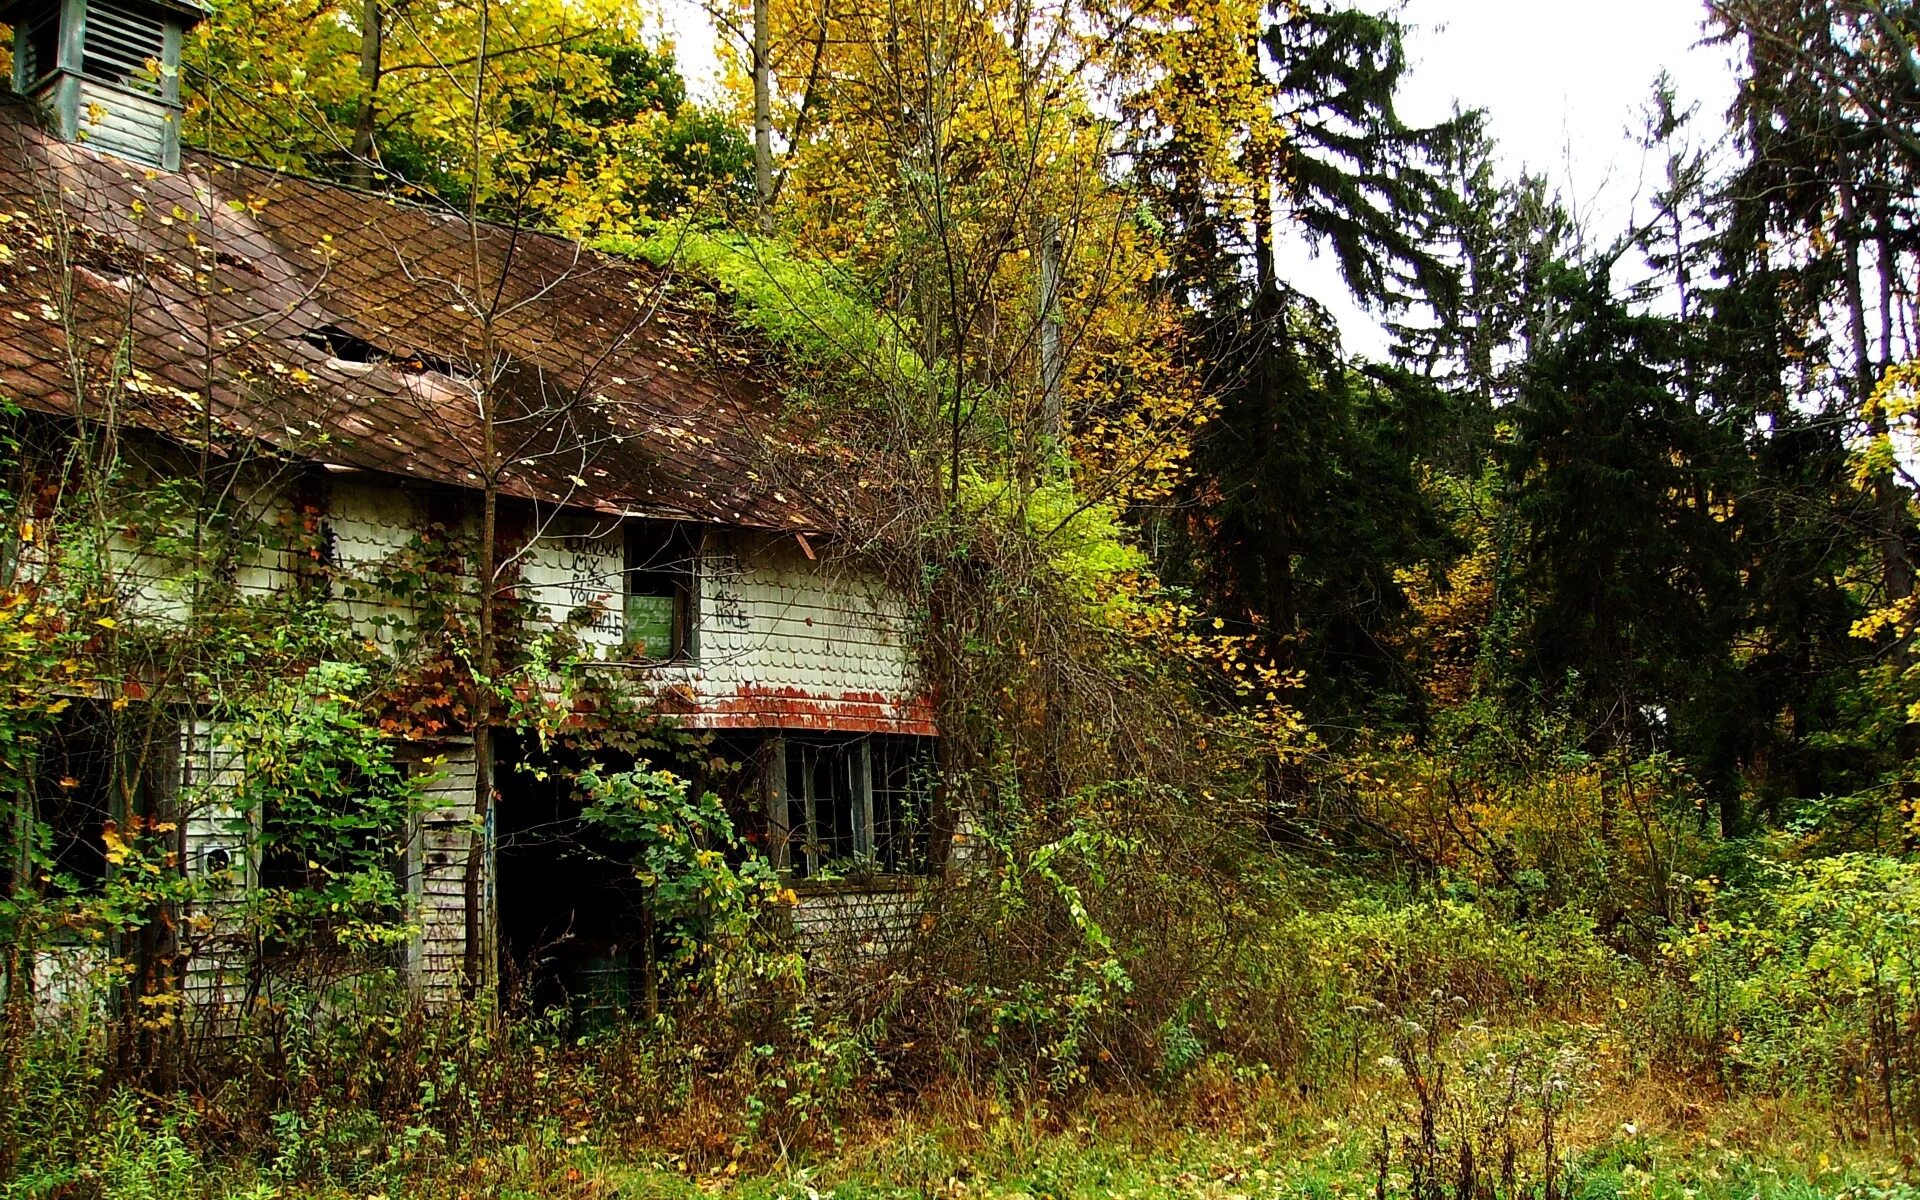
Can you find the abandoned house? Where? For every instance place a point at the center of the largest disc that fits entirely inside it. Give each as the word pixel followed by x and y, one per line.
pixel 334 347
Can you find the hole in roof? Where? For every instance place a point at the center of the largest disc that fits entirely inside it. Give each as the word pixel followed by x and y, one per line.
pixel 340 344
pixel 228 258
pixel 343 346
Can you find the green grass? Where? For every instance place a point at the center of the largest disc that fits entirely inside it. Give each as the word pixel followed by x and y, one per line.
pixel 1081 1167
pixel 1223 1136
pixel 1009 1159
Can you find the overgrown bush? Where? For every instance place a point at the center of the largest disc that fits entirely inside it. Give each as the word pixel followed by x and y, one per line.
pixel 1807 981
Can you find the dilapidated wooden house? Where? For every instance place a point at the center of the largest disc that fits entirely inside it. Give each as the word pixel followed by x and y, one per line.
pixel 370 371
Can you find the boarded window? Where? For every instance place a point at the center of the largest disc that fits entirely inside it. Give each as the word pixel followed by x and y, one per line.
pixel 661 583
pixel 856 806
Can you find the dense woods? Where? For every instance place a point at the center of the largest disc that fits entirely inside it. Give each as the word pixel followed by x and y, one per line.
pixel 1485 768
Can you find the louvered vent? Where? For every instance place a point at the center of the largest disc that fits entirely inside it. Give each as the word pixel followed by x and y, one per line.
pixel 124 46
pixel 105 72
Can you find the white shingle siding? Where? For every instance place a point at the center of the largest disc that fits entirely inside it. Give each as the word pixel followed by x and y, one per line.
pixel 785 640
pixel 372 525
pixel 851 924
pixel 780 640
pixel 153 586
pixel 572 569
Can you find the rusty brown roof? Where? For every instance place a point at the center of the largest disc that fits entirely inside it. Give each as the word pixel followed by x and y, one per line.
pixel 345 327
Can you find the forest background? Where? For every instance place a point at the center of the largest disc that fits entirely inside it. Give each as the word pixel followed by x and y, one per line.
pixel 1486 768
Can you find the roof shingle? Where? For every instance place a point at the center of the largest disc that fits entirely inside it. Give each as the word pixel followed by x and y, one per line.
pixel 345 327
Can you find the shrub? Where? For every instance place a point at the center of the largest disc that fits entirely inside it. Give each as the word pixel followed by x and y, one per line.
pixel 1809 982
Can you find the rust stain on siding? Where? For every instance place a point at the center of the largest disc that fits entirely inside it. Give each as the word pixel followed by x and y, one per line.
pixel 752 707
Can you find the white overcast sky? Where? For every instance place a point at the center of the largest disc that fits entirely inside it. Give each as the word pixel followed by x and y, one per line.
pixel 1563 83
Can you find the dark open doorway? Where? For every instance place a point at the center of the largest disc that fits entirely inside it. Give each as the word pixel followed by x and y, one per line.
pixel 576 929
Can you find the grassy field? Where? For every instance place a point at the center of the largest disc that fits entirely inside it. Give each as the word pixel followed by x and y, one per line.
pixel 1738 1153
pixel 1647 1143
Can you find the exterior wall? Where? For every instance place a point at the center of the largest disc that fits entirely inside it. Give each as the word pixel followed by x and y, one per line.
pixel 201 769
pixel 217 844
pixel 572 574
pixel 369 522
pixel 152 586
pixel 218 838
pixel 64 983
pixel 124 123
pixel 437 860
pixel 849 923
pixel 786 642
pixel 780 641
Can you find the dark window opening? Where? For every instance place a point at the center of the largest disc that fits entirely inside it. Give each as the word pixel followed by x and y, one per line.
pixel 40 49
pixel 903 779
pixel 661 583
pixel 827 818
pixel 313 831
pixel 124 47
pixel 856 807
pixel 95 775
pixel 78 785
pixel 328 832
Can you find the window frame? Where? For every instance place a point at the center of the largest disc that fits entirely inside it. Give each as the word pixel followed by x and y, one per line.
pixel 873 851
pixel 38 36
pixel 643 543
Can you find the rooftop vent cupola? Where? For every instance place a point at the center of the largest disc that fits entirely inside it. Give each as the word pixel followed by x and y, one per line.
pixel 108 70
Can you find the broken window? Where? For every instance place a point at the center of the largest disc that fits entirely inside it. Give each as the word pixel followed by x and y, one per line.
pixel 661 585
pixel 332 829
pixel 903 776
pixel 855 806
pixel 322 828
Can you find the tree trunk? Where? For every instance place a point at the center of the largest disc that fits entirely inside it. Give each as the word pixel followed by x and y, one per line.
pixel 479 928
pixel 1052 417
pixel 1263 271
pixel 372 34
pixel 762 117
pixel 1889 504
